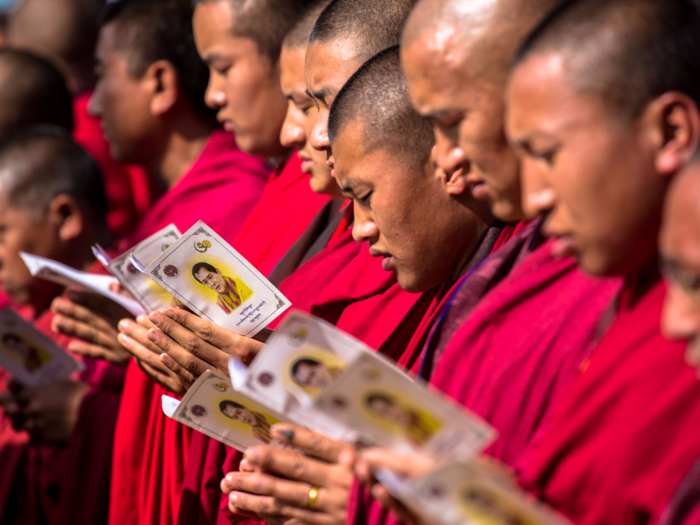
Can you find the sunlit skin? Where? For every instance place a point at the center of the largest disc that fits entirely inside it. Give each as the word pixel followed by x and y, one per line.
pixel 212 280
pixel 244 87
pixel 316 376
pixel 122 103
pixel 680 250
pixel 581 161
pixel 329 65
pixel 301 118
pixel 242 415
pixel 467 114
pixel 411 219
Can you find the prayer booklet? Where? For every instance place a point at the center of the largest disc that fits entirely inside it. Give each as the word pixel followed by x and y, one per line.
pixel 66 276
pixel 476 492
pixel 30 356
pixel 214 408
pixel 148 294
pixel 203 272
pixel 329 381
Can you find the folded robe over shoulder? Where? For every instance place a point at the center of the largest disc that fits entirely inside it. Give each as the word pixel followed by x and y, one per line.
pixel 150 450
pixel 626 432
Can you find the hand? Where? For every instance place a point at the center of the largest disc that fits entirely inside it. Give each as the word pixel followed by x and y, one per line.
pixel 405 466
pixel 281 481
pixel 48 413
pixel 194 345
pixel 81 317
pixel 134 338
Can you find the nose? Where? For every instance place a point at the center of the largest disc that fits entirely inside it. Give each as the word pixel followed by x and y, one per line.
pixel 319 135
pixel 215 96
pixel 448 155
pixel 680 318
pixel 537 196
pixel 292 134
pixel 364 228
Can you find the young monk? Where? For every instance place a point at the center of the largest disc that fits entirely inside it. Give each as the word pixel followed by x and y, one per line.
pixel 679 243
pixel 53 205
pixel 240 42
pixel 65 32
pixel 151 100
pixel 600 145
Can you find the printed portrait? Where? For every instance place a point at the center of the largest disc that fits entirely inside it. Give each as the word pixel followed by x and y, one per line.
pixel 231 291
pixel 258 422
pixel 31 357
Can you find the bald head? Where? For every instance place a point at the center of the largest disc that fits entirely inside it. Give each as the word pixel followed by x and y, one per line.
pixel 484 34
pixel 298 36
pixel 636 50
pixel 371 25
pixel 265 22
pixel 32 91
pixel 64 31
pixel 377 96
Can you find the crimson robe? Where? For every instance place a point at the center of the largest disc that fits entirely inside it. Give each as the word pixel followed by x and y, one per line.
pixel 128 189
pixel 625 433
pixel 509 342
pixel 150 450
pixel 684 508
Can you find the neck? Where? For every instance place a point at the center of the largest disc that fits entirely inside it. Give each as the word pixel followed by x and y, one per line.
pixel 180 149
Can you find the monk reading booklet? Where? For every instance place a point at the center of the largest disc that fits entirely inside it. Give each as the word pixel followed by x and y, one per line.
pixel 475 492
pixel 30 357
pixel 333 383
pixel 213 407
pixel 146 292
pixel 215 282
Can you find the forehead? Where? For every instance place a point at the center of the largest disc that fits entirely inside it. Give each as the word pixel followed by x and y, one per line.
pixel 292 69
pixel 330 64
pixel 212 22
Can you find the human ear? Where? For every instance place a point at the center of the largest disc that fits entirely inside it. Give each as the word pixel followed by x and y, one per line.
pixel 65 213
pixel 163 83
pixel 677 121
pixel 456 182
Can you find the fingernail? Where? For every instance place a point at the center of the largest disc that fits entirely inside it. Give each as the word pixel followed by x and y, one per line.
pixel 155 318
pixel 153 336
pixel 169 312
pixel 124 324
pixel 165 359
pixel 229 480
pixel 253 455
pixel 123 339
pixel 141 318
pixel 285 433
pixel 233 498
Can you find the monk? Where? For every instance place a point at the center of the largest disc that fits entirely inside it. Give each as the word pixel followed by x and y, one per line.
pixel 65 32
pixel 592 166
pixel 53 205
pixel 151 99
pixel 678 242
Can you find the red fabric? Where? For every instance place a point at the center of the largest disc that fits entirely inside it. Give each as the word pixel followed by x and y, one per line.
pixel 129 192
pixel 285 209
pixel 625 433
pixel 150 450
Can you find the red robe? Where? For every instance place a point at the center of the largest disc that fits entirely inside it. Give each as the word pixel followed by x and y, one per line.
pixel 150 450
pixel 507 346
pixel 626 432
pixel 128 189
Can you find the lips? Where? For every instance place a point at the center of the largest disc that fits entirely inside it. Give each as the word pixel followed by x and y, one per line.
pixel 306 165
pixel 478 189
pixel 387 259
pixel 563 246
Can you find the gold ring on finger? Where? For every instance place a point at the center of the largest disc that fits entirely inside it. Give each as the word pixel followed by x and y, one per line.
pixel 313 496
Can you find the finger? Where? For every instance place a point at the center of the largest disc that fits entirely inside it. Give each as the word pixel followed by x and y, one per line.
pixel 93 301
pixel 97 352
pixel 243 348
pixel 86 332
pixel 169 383
pixel 315 444
pixel 289 464
pixel 387 501
pixel 68 309
pixel 267 505
pixel 294 493
pixel 185 376
pixel 193 365
pixel 138 333
pixel 404 465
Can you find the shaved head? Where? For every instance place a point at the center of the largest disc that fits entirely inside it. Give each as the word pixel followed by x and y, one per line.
pixel 484 33
pixel 40 163
pixel 64 31
pixel 636 50
pixel 377 96
pixel 265 22
pixel 298 36
pixel 32 92
pixel 372 25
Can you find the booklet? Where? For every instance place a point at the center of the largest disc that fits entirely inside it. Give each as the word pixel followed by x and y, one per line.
pixel 325 379
pixel 214 408
pixel 214 281
pixel 148 294
pixel 475 492
pixel 30 356
pixel 66 276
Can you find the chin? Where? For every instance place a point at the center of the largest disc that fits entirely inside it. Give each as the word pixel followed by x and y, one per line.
pixel 411 284
pixel 505 211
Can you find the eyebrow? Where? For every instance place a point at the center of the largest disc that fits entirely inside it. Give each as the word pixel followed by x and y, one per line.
pixel 322 93
pixel 213 57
